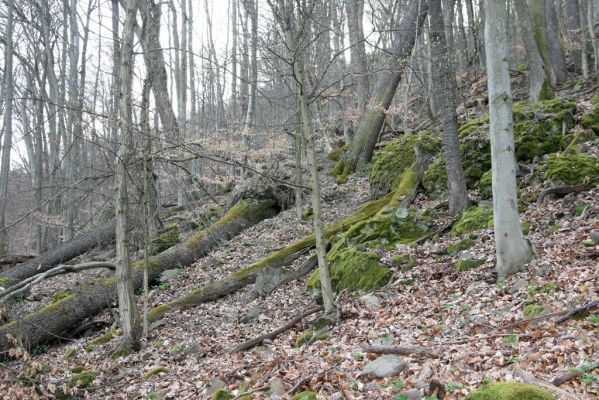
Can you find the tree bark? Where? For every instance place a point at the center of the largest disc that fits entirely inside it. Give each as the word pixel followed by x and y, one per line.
pixel 574 33
pixel 355 14
pixel 62 253
pixel 371 122
pixel 512 250
pixel 445 90
pixel 554 44
pixel 55 321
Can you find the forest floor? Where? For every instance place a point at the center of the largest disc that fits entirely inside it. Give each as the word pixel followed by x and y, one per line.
pixel 466 315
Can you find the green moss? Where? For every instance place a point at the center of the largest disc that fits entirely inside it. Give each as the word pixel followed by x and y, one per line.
pixel 485 185
pixel 591 120
pixel 206 219
pixel 334 155
pixel 306 395
pixel 61 294
pixel 165 241
pixel 465 264
pixel 77 370
pixel 435 179
pixel 4 281
pixel 103 339
pixel 532 310
pixel 525 227
pixel 510 391
pixel 120 353
pixel 310 336
pixel 406 186
pixel 570 169
pixel 460 245
pixel 473 219
pixel 155 371
pixel 70 353
pixel 353 270
pixel 390 162
pixel 221 394
pixel 404 262
pixel 307 214
pixel 83 379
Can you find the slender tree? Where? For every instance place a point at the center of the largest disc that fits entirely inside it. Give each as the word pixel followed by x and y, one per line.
pixel 512 249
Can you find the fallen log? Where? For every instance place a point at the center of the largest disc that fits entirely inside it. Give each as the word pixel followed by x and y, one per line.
pixel 577 311
pixel 568 376
pixel 565 189
pixel 271 335
pixel 64 252
pixel 561 394
pixel 247 276
pixel 54 321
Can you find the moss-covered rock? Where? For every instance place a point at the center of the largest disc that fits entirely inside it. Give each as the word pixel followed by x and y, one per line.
pixel 83 379
pixel 591 120
pixel 473 219
pixel 353 270
pixel 570 169
pixel 310 336
pixel 460 245
pixel 485 185
pixel 537 131
pixel 510 391
pixel 221 394
pixel 307 214
pixel 404 262
pixel 335 154
pixel 306 395
pixel 389 163
pixel 532 310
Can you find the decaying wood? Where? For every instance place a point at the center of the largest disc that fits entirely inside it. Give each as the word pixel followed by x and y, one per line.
pixel 401 350
pixel 530 379
pixel 26 284
pixel 565 189
pixel 271 335
pixel 568 376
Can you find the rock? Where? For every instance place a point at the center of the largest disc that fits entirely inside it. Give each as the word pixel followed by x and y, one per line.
pixel 519 284
pixel 385 366
pixel 548 244
pixel 413 394
pixel 469 260
pixel 594 236
pixel 266 280
pixel 277 386
pixel 215 385
pixel 372 386
pixel 371 301
pixel 251 315
pixel 170 274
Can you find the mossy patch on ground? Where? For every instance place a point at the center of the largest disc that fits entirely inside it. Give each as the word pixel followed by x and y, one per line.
pixel 353 270
pixel 389 163
pixel 473 219
pixel 460 245
pixel 309 337
pixel 510 391
pixel 155 371
pixel 83 379
pixel 221 394
pixel 306 395
pixel 532 310
pixel 70 353
pixel 570 169
pixel 404 262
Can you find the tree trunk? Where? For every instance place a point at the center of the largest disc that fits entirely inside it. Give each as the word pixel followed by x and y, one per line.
pixel 355 14
pixel 60 254
pixel 445 90
pixel 574 33
pixel 56 320
pixel 554 44
pixel 7 124
pixel 252 12
pixel 512 249
pixel 371 122
pixel 539 82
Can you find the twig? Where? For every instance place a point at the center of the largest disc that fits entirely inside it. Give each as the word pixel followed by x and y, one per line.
pixel 568 376
pixel 565 189
pixel 402 350
pixel 259 389
pixel 576 311
pixel 530 379
pixel 271 335
pixel 299 384
pixel 305 269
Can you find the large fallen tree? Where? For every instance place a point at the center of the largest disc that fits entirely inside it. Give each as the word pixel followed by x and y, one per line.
pixel 54 321
pixel 103 234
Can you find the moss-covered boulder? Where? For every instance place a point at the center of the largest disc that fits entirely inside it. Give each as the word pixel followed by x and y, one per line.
pixel 389 163
pixel 165 241
pixel 570 169
pixel 335 154
pixel 221 394
pixel 510 391
pixel 353 270
pixel 537 131
pixel 591 120
pixel 473 219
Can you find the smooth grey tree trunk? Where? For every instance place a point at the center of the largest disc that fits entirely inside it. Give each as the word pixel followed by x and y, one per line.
pixel 251 8
pixel 554 43
pixel 512 250
pixel 539 82
pixel 355 15
pixel 445 90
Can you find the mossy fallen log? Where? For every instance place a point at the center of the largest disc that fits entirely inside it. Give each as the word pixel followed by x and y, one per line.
pixel 247 276
pixel 55 321
pixel 66 251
